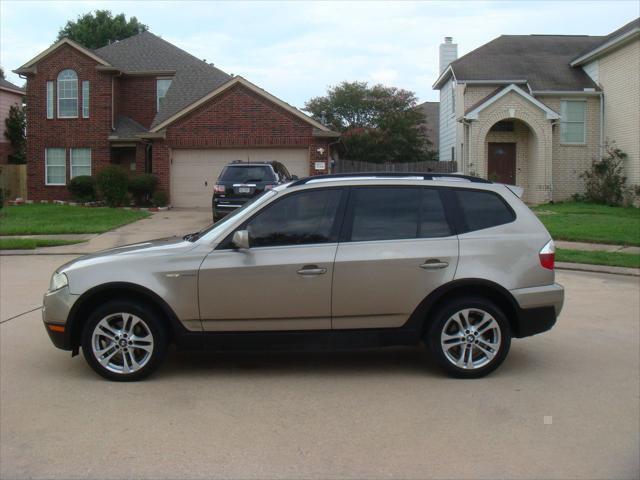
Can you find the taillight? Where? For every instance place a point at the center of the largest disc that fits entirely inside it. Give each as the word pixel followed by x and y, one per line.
pixel 548 255
pixel 269 187
pixel 218 188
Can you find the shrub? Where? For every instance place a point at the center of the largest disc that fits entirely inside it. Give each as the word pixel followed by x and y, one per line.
pixel 142 188
pixel 1 198
pixel 83 188
pixel 604 181
pixel 112 183
pixel 160 199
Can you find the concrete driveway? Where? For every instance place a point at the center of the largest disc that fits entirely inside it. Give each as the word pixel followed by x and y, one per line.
pixel 372 414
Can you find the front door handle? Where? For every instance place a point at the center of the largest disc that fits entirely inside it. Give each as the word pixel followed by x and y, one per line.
pixel 434 264
pixel 309 270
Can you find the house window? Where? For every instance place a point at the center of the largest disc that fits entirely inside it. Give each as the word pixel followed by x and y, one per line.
pixel 55 166
pixel 49 99
pixel 80 162
pixel 161 91
pixel 85 99
pixel 67 94
pixel 572 121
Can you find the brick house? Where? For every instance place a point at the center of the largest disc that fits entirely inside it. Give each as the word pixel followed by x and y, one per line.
pixel 10 95
pixel 151 107
pixel 536 110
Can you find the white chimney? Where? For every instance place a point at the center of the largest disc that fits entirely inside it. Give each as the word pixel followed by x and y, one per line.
pixel 448 53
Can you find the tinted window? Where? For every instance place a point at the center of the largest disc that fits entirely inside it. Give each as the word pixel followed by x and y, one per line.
pixel 301 218
pixel 247 174
pixel 391 213
pixel 483 209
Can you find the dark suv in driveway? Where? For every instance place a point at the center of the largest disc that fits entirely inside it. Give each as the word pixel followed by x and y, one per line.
pixel 240 181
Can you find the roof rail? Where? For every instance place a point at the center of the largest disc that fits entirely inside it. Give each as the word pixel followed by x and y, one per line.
pixel 422 175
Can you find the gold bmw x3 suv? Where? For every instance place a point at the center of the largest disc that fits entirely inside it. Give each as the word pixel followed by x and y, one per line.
pixel 336 261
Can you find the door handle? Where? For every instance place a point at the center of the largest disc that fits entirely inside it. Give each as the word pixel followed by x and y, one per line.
pixel 434 264
pixel 309 270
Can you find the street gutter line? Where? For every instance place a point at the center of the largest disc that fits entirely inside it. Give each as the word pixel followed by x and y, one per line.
pixel 20 314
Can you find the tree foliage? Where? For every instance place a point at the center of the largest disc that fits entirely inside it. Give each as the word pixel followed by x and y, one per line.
pixel 99 28
pixel 378 123
pixel 16 124
pixel 605 180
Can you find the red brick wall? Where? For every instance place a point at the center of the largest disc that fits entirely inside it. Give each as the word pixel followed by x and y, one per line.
pixel 137 99
pixel 89 132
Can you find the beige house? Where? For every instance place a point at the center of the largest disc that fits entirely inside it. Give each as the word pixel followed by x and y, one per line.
pixel 536 110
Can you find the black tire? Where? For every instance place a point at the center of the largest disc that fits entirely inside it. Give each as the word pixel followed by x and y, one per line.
pixel 441 320
pixel 152 324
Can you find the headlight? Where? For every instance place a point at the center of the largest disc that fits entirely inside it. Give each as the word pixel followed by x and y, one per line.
pixel 58 281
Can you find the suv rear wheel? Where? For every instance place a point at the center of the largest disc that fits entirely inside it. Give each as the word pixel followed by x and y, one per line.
pixel 124 340
pixel 469 337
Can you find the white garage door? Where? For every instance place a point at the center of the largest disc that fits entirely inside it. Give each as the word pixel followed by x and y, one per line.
pixel 193 172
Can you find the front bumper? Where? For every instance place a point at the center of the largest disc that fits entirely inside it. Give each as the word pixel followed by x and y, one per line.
pixel 538 307
pixel 55 311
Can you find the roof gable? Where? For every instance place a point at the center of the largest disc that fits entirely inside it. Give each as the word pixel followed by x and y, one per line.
pixel 493 97
pixel 28 67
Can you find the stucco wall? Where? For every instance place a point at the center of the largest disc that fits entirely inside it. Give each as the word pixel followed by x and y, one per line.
pixel 620 79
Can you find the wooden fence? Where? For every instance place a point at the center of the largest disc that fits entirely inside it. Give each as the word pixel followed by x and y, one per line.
pixel 352 166
pixel 13 181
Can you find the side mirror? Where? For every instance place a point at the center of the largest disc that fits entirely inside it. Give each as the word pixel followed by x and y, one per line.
pixel 240 239
pixel 294 177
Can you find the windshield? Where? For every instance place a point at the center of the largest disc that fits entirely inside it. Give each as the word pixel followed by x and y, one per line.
pixel 250 205
pixel 247 173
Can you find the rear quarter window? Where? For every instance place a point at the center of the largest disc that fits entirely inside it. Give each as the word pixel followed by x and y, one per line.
pixel 482 209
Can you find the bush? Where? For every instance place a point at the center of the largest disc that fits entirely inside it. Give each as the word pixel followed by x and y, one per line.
pixel 83 188
pixel 112 183
pixel 604 181
pixel 142 188
pixel 160 199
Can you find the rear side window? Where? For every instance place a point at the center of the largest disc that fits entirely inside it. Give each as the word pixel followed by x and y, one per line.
pixel 300 218
pixel 393 213
pixel 483 209
pixel 247 174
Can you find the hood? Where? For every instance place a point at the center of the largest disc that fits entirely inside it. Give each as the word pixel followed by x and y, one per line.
pixel 161 246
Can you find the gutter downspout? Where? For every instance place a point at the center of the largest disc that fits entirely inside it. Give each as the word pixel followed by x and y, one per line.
pixel 553 124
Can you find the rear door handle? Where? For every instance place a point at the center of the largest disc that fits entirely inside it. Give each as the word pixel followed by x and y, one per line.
pixel 434 264
pixel 309 270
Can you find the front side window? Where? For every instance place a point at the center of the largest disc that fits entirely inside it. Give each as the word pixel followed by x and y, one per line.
pixel 85 99
pixel 482 209
pixel 394 213
pixel 162 86
pixel 572 122
pixel 49 99
pixel 298 219
pixel 67 94
pixel 80 162
pixel 55 166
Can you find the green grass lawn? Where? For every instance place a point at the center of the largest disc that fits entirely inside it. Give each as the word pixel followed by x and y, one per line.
pixel 584 222
pixel 31 243
pixel 599 258
pixel 47 219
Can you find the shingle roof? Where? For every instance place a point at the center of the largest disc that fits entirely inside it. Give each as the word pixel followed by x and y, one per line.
pixel 127 127
pixel 541 60
pixel 6 84
pixel 147 52
pixel 613 35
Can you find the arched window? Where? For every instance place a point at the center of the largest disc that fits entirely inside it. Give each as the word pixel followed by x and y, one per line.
pixel 67 94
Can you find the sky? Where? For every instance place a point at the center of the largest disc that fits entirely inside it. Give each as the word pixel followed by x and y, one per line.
pixel 296 50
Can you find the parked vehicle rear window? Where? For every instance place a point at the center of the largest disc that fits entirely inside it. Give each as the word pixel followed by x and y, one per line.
pixel 392 213
pixel 301 218
pixel 483 209
pixel 247 174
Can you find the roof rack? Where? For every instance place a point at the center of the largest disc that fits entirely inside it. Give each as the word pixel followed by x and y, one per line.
pixel 421 175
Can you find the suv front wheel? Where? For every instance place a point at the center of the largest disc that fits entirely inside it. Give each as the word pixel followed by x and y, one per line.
pixel 124 340
pixel 469 337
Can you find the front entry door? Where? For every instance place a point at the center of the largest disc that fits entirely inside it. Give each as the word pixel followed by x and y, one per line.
pixel 502 163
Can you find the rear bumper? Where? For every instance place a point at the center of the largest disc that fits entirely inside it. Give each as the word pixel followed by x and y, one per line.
pixel 538 308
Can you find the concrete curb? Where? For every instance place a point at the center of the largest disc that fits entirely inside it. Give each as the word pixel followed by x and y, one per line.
pixel 585 267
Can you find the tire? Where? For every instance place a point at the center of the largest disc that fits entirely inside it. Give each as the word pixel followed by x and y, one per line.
pixel 145 343
pixel 473 324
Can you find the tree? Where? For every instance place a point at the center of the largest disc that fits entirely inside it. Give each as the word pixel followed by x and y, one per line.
pixel 16 124
pixel 378 123
pixel 97 29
